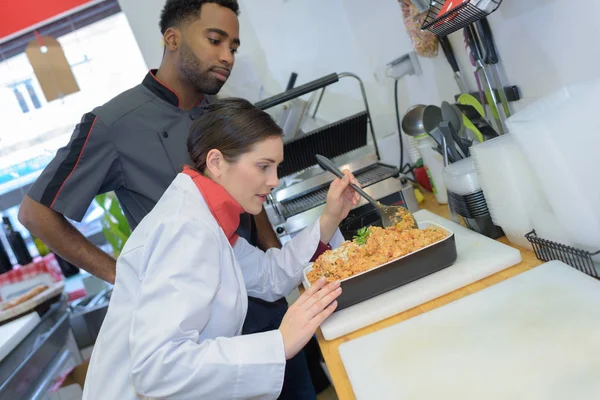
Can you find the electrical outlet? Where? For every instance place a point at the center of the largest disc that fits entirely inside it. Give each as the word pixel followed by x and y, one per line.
pixel 407 64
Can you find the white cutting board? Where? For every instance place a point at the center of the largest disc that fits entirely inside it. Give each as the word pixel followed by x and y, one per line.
pixel 12 333
pixel 478 257
pixel 535 336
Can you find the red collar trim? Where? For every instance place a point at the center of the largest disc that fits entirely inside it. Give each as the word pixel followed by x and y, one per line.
pixel 222 206
pixel 162 90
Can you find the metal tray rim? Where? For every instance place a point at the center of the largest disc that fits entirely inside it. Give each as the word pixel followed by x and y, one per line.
pixel 308 268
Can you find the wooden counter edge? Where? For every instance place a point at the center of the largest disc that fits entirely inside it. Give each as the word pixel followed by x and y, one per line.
pixel 329 348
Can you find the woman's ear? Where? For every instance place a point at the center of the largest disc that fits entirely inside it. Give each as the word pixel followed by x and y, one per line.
pixel 215 163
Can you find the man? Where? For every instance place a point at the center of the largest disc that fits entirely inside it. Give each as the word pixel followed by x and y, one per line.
pixel 135 145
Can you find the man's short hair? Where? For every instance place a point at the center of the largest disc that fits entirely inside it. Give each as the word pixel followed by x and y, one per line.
pixel 177 11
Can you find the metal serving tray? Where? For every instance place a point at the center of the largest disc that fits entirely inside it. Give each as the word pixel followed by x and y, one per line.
pixel 398 272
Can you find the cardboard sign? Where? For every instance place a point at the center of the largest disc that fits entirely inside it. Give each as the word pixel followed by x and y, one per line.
pixel 51 68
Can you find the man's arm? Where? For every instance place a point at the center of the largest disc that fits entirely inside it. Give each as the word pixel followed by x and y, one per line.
pixel 266 236
pixel 64 239
pixel 86 166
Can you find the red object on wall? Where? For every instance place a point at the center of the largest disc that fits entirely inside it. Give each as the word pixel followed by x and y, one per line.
pixel 22 14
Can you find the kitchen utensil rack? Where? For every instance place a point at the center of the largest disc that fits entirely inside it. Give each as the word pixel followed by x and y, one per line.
pixel 547 250
pixel 513 93
pixel 458 17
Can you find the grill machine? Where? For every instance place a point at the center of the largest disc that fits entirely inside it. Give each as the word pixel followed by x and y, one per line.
pixel 300 197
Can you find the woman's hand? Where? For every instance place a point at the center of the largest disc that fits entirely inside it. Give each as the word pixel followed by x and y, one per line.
pixel 306 314
pixel 341 198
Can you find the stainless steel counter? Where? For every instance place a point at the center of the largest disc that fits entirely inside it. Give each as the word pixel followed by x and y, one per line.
pixel 31 369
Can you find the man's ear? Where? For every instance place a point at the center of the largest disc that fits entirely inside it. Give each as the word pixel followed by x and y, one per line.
pixel 172 39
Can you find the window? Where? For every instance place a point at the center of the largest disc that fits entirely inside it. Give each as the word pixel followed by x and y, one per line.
pixel 105 59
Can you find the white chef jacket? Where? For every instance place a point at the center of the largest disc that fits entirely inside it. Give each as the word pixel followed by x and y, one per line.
pixel 175 317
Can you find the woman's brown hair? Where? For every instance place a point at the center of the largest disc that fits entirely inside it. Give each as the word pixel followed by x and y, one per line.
pixel 232 126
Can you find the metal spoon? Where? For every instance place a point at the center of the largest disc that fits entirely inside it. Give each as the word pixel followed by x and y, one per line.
pixel 413 122
pixel 390 215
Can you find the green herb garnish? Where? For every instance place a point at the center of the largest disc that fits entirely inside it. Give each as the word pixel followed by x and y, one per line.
pixel 362 235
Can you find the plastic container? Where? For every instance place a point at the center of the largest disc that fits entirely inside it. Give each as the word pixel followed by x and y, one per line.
pixel 411 143
pixel 461 177
pixel 466 198
pixel 509 186
pixel 421 177
pixel 434 163
pixel 559 136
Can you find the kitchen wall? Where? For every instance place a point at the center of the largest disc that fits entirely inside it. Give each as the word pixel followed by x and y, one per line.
pixel 543 44
pixel 315 38
pixel 144 24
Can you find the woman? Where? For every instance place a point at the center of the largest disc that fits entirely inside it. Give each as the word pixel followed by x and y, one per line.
pixel 180 296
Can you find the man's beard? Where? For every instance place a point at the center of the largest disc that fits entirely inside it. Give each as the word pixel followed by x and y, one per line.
pixel 192 70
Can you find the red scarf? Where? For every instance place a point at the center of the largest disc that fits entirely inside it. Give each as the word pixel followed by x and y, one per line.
pixel 220 203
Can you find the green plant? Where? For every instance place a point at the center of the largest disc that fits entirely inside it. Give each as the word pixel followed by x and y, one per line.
pixel 41 246
pixel 362 235
pixel 114 224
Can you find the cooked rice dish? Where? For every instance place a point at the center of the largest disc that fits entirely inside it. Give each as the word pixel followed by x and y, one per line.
pixel 375 246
